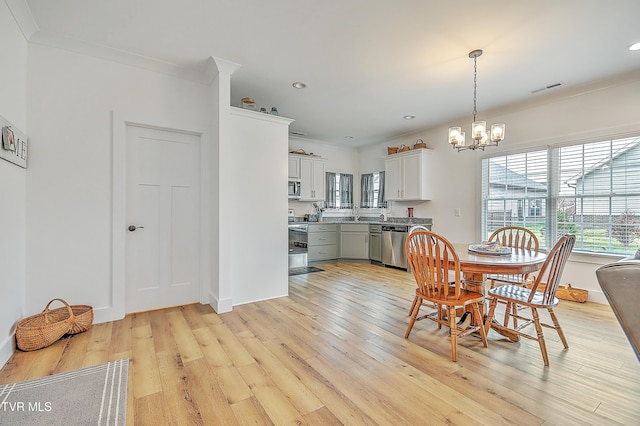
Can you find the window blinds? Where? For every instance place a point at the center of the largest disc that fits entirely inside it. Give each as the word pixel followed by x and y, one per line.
pixel 588 189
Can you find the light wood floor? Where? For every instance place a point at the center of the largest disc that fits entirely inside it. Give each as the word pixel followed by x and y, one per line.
pixel 333 352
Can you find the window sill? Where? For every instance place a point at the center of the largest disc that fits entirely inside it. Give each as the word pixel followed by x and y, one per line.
pixel 595 258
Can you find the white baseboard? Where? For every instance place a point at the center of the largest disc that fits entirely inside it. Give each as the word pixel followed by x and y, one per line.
pixel 7 348
pixel 220 306
pixel 106 314
pixel 597 297
pixel 261 300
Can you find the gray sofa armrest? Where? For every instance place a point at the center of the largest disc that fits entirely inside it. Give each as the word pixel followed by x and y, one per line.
pixel 620 282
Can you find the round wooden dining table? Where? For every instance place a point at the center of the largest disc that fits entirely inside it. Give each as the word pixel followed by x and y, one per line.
pixel 475 266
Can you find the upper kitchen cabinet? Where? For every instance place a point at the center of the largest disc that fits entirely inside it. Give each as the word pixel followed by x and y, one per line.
pixel 294 166
pixel 407 175
pixel 310 170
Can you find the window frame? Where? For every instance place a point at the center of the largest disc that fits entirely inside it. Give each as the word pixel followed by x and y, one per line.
pixel 337 207
pixel 585 230
pixel 375 193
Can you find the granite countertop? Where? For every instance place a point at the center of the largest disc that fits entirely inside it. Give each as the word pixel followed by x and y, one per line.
pixel 370 221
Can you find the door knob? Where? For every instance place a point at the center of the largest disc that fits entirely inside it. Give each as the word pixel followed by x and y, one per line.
pixel 132 228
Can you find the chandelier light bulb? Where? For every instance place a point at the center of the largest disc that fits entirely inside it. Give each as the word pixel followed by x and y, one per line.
pixel 454 134
pixel 497 132
pixel 460 142
pixel 479 129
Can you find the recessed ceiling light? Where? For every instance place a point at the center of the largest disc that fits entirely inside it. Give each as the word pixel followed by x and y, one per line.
pixel 348 137
pixel 635 46
pixel 299 85
pixel 409 117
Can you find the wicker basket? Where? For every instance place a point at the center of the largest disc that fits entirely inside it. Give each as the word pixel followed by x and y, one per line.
pixel 84 317
pixel 419 144
pixel 43 329
pixel 404 148
pixel 392 150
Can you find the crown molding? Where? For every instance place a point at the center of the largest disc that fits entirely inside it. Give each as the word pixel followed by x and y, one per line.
pixel 213 66
pixel 23 17
pixel 203 73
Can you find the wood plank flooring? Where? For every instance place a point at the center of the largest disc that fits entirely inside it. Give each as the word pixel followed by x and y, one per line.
pixel 333 352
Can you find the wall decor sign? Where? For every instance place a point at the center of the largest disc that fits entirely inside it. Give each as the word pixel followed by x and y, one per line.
pixel 14 146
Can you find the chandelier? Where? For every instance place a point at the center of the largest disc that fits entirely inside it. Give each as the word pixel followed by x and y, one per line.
pixel 480 138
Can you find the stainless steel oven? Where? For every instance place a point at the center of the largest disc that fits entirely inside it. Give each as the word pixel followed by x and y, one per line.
pixel 298 244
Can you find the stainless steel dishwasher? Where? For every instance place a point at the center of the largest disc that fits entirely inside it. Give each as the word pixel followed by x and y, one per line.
pixel 393 239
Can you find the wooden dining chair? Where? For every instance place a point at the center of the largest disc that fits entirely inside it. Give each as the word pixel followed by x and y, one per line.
pixel 542 294
pixel 433 260
pixel 516 237
pixel 412 230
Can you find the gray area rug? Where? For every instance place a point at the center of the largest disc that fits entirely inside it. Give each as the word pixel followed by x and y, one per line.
pixel 304 270
pixel 89 396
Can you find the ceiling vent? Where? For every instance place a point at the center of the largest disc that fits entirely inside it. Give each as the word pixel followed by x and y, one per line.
pixel 551 86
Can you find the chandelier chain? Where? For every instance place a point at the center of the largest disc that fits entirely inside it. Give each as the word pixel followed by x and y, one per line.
pixel 475 86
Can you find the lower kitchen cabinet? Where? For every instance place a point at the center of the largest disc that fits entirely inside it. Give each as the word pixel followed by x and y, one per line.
pixel 354 241
pixel 322 242
pixel 375 242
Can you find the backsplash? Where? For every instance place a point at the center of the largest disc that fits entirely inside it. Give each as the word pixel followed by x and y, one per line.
pixel 371 219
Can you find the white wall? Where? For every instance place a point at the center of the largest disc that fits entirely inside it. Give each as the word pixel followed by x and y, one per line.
pixel 71 98
pixel 13 107
pixel 258 253
pixel 220 194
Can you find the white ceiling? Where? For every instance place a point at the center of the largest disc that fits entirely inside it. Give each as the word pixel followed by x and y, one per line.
pixel 367 63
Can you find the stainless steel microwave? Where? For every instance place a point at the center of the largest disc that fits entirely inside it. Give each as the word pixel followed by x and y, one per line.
pixel 294 188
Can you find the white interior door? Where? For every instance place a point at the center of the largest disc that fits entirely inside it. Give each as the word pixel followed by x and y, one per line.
pixel 163 221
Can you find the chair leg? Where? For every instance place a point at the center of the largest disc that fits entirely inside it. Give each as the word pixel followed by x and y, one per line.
pixel 454 333
pixel 541 342
pixel 483 332
pixel 556 325
pixel 414 313
pixel 413 305
pixel 507 314
pixel 492 308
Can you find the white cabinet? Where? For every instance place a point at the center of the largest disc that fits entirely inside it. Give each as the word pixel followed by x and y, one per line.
pixel 322 242
pixel 354 241
pixel 312 179
pixel 407 175
pixel 310 171
pixel 294 167
pixel 375 242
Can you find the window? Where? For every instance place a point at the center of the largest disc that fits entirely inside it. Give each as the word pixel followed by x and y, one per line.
pixel 515 192
pixel 591 190
pixel 599 195
pixel 372 190
pixel 339 190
